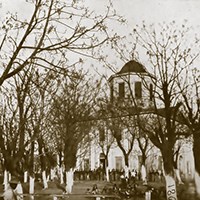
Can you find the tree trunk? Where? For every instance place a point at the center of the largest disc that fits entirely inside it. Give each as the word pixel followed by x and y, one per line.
pixel 178 176
pixel 69 181
pixel 25 177
pixel 52 174
pixel 9 193
pixel 107 174
pixel 196 152
pixel 31 172
pixel 170 187
pixel 126 160
pixel 106 168
pixel 144 174
pixel 61 176
pixel 31 185
pixel 9 176
pixel 48 178
pixel 44 179
pixel 19 191
pixel 5 179
pixel 197 183
pixel 168 164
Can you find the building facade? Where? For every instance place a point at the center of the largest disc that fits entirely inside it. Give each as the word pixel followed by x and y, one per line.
pixel 131 87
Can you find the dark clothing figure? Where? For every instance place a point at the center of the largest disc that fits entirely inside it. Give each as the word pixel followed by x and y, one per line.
pixel 115 188
pixel 94 189
pixel 123 183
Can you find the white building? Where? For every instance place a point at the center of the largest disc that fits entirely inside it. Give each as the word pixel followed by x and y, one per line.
pixel 130 86
pixel 132 82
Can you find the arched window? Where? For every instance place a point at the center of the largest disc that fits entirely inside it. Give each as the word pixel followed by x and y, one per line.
pixel 111 92
pixel 121 90
pixel 151 92
pixel 138 90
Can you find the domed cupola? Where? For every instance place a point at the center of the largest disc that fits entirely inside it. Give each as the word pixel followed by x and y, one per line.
pixel 132 66
pixel 132 82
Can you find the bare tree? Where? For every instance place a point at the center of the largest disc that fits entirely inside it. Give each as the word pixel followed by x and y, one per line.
pixel 44 86
pixel 15 137
pixel 25 107
pixel 123 129
pixel 54 31
pixel 145 147
pixel 16 111
pixel 168 56
pixel 105 138
pixel 71 112
pixel 189 85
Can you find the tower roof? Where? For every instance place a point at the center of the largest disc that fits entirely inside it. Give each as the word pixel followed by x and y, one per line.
pixel 132 66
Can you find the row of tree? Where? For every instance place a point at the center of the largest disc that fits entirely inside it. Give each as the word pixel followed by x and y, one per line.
pixel 50 110
pixel 45 99
pixel 174 114
pixel 44 115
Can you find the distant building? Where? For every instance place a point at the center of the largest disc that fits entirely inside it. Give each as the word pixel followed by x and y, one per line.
pixel 130 87
pixel 132 82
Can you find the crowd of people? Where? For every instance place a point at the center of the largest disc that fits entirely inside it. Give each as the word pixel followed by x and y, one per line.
pixel 115 175
pixel 127 186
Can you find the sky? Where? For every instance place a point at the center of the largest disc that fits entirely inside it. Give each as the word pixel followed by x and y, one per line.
pixel 134 11
pixel 153 11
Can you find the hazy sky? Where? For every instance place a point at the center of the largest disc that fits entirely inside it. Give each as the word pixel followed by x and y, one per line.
pixel 153 11
pixel 135 11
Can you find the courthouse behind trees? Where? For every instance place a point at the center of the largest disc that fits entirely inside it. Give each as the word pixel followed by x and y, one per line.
pixel 131 91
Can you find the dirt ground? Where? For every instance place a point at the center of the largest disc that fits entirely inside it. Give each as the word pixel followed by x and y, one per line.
pixel 80 189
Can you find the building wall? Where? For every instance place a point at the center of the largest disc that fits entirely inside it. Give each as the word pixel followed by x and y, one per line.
pixel 153 162
pixel 115 156
pixel 129 81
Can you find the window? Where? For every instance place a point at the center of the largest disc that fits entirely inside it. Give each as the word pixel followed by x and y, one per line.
pixel 111 93
pixel 138 90
pixel 121 90
pixel 86 164
pixel 118 162
pixel 151 92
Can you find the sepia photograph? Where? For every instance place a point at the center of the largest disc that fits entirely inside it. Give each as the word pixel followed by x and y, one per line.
pixel 100 99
